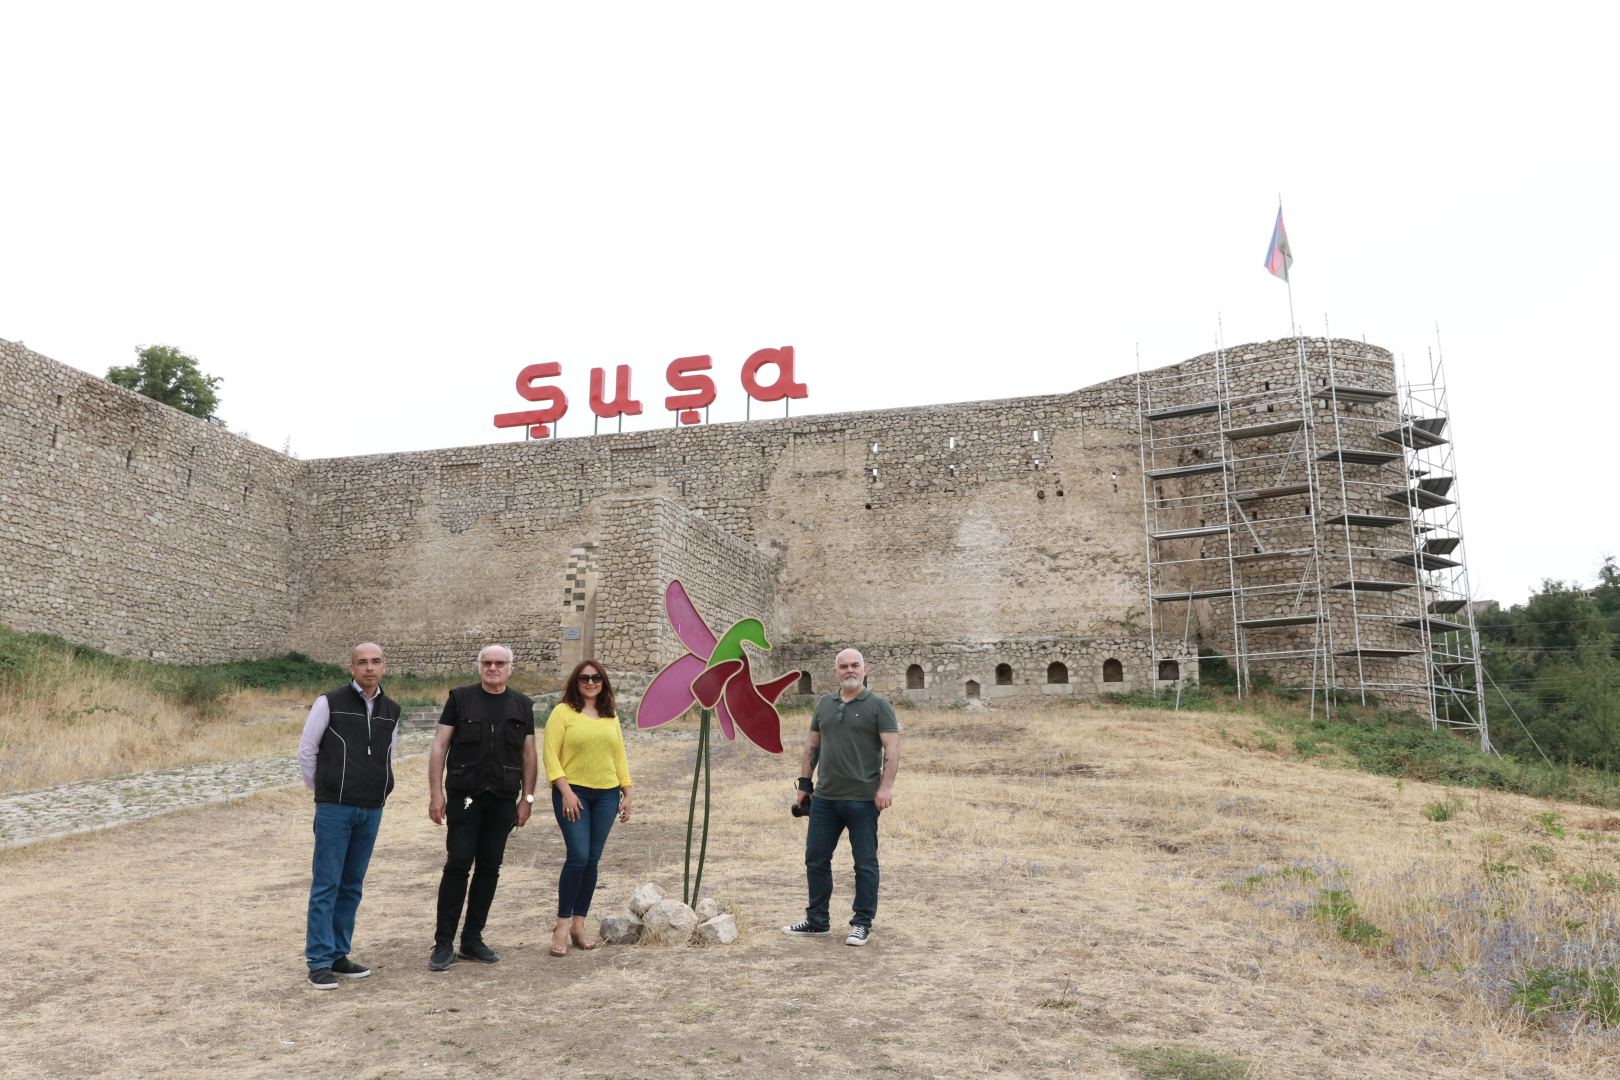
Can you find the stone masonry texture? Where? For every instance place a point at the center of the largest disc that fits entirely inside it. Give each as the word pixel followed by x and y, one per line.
pixel 997 547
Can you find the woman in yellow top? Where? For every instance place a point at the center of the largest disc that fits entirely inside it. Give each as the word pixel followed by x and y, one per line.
pixel 590 783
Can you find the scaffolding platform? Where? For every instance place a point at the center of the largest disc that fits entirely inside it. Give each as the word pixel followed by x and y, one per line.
pixel 1275 492
pixel 1277 620
pixel 1436 626
pixel 1425 560
pixel 1446 607
pixel 1260 431
pixel 1377 521
pixel 1351 455
pixel 1372 585
pixel 1188 534
pixel 1419 434
pixel 1179 471
pixel 1196 594
pixel 1441 545
pixel 1199 409
pixel 1267 556
pixel 1360 395
pixel 1369 653
pixel 1418 497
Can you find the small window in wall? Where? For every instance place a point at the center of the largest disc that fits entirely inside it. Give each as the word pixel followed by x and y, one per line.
pixel 914 677
pixel 1003 674
pixel 1169 671
pixel 972 689
pixel 1056 673
pixel 1113 670
pixel 804 683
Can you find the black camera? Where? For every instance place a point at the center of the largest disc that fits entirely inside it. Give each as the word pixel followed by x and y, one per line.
pixel 802 809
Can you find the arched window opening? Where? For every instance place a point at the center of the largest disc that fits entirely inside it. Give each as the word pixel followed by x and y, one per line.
pixel 1056 673
pixel 972 689
pixel 1113 670
pixel 1003 674
pixel 1169 671
pixel 804 683
pixel 914 677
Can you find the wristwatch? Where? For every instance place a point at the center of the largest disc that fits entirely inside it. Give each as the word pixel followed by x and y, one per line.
pixel 529 798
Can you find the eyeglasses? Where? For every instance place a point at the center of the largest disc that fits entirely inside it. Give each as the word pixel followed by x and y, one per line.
pixel 590 678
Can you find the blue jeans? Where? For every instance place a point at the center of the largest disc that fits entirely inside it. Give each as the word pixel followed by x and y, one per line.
pixel 829 818
pixel 584 839
pixel 344 836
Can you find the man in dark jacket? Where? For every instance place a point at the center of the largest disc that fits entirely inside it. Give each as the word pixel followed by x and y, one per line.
pixel 486 736
pixel 347 758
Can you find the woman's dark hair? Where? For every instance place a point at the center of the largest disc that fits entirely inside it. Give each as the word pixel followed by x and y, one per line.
pixel 576 701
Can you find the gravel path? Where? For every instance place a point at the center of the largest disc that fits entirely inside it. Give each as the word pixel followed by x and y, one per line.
pixel 89 805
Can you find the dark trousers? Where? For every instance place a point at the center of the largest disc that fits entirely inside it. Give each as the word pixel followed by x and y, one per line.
pixel 829 818
pixel 584 839
pixel 476 838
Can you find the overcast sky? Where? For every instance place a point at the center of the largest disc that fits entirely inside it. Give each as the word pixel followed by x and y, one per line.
pixel 398 205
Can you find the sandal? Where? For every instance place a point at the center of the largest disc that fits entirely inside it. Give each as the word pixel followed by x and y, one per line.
pixel 586 944
pixel 558 950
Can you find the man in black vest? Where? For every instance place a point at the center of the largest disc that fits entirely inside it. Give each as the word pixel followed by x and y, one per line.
pixel 487 733
pixel 347 757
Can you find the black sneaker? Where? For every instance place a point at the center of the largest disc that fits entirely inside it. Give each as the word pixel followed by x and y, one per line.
pixel 349 969
pixel 439 959
pixel 858 935
pixel 477 950
pixel 805 929
pixel 322 979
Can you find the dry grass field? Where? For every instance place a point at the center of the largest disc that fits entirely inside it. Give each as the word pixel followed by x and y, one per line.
pixel 1073 893
pixel 65 716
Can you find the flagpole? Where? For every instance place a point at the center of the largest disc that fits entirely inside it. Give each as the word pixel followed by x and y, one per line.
pixel 1293 327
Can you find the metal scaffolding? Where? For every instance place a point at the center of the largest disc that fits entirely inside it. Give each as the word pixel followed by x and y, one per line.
pixel 1267 491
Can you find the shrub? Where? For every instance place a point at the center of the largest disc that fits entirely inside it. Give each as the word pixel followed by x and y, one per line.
pixel 1338 907
pixel 1544 991
pixel 1444 810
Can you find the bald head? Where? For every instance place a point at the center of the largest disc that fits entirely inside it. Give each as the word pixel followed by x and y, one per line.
pixel 367 665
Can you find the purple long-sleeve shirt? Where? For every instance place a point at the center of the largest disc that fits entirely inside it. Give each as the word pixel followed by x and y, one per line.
pixel 320 715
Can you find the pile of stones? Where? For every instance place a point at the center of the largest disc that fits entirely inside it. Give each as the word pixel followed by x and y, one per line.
pixel 650 918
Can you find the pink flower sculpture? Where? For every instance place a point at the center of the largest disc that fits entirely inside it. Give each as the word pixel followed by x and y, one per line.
pixel 714 674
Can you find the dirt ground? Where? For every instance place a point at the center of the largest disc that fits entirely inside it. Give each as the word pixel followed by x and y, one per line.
pixel 1051 898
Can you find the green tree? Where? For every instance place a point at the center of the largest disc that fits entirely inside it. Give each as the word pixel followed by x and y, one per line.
pixel 164 373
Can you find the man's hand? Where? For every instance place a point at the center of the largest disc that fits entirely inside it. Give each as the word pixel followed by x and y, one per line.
pixel 525 808
pixel 436 808
pixel 799 797
pixel 884 798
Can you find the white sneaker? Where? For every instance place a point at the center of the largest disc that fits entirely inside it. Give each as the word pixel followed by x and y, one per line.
pixel 858 935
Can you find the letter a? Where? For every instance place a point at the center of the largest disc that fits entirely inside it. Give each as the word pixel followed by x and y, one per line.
pixel 783 387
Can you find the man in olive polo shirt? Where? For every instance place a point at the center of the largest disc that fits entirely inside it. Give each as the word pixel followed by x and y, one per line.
pixel 854 749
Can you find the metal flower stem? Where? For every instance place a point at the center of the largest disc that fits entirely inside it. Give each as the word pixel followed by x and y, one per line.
pixel 688 889
pixel 708 772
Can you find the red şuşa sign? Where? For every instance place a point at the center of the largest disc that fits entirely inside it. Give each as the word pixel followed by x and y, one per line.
pixel 685 375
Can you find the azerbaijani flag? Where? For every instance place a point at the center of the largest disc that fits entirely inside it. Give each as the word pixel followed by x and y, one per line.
pixel 1279 257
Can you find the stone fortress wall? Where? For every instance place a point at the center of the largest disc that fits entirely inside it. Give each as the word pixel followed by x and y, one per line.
pixel 132 527
pixel 997 544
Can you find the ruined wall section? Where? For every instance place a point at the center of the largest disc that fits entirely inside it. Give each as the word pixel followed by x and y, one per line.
pixel 136 528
